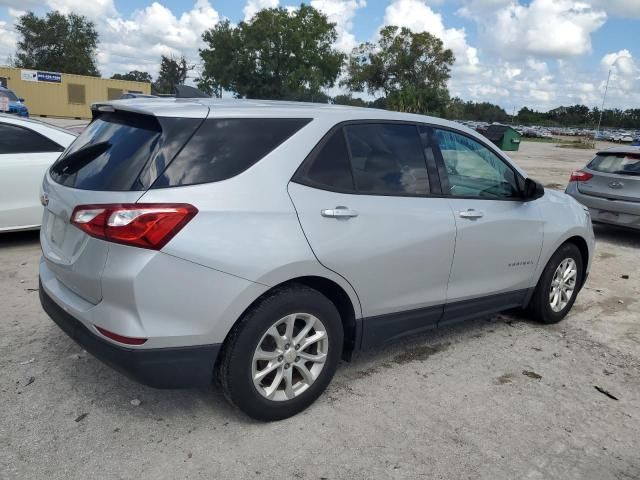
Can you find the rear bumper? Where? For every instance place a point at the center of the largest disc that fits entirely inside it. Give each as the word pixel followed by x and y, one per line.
pixel 177 367
pixel 604 210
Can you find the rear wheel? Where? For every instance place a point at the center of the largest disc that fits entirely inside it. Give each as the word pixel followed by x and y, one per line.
pixel 558 285
pixel 282 354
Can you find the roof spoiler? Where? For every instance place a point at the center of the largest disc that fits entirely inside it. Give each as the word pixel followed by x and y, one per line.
pixel 185 91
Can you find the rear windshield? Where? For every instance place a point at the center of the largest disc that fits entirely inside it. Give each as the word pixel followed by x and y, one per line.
pixel 620 163
pixel 223 148
pixel 9 94
pixel 122 151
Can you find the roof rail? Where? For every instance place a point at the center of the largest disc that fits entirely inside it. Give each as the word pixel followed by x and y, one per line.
pixel 185 91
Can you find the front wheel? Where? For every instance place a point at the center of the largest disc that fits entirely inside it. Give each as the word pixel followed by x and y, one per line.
pixel 282 354
pixel 558 286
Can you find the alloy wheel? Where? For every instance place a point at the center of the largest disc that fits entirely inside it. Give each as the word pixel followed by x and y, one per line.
pixel 563 284
pixel 289 357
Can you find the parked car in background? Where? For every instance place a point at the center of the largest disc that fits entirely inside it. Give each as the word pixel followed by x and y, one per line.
pixel 610 186
pixel 16 105
pixel 27 150
pixel 262 241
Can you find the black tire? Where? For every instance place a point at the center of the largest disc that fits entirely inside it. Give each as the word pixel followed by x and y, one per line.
pixel 539 307
pixel 235 368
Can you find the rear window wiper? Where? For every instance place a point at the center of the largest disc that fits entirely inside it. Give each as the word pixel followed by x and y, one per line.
pixel 627 172
pixel 80 158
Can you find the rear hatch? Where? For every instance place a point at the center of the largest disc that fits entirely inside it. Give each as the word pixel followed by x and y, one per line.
pixel 115 160
pixel 616 176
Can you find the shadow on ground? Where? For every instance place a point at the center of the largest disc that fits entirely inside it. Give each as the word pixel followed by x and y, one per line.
pixel 620 236
pixel 19 239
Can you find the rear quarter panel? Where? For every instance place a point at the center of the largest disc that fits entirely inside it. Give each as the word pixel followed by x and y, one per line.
pixel 247 225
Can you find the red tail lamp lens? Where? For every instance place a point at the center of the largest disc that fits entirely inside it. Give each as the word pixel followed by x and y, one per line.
pixel 580 176
pixel 144 225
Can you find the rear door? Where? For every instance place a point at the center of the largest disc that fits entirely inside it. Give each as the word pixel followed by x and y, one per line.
pixel 616 175
pixel 115 160
pixel 363 200
pixel 24 157
pixel 499 236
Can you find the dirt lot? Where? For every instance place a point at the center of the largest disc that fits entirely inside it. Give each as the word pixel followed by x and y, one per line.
pixel 495 398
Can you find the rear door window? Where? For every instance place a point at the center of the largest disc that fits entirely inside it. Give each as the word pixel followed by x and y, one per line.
pixel 387 159
pixel 223 148
pixel 329 166
pixel 15 139
pixel 620 163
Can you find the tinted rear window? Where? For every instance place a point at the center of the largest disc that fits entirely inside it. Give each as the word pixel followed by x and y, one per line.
pixel 223 148
pixel 8 93
pixel 622 163
pixel 330 167
pixel 122 151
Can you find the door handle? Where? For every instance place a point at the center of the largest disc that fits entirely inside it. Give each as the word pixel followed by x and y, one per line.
pixel 471 214
pixel 339 212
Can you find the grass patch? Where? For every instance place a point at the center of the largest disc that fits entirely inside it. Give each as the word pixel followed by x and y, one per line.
pixel 541 140
pixel 582 144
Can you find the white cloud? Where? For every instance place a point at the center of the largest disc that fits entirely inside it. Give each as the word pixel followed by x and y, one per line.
pixel 619 8
pixel 93 9
pixel 254 6
pixel 419 17
pixel 15 13
pixel 138 41
pixel 341 12
pixel 625 73
pixel 544 28
pixel 7 41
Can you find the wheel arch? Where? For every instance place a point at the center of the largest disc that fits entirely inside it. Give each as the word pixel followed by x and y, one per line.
pixel 583 247
pixel 337 294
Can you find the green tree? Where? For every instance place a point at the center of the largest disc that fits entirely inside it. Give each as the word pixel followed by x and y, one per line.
pixel 410 69
pixel 134 76
pixel 349 100
pixel 173 72
pixel 57 43
pixel 277 55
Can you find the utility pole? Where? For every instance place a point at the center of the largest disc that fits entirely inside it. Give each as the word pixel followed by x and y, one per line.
pixel 603 99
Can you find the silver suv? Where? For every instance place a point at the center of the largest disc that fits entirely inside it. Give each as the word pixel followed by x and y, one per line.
pixel 261 242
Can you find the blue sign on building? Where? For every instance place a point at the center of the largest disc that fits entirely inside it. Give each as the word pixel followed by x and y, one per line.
pixel 49 77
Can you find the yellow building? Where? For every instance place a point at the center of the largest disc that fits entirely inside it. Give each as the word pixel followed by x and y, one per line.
pixel 50 94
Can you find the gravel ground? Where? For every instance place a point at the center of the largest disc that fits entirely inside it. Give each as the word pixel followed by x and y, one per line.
pixel 496 398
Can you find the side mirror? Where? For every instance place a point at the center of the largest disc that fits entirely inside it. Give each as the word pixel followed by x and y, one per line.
pixel 21 100
pixel 532 190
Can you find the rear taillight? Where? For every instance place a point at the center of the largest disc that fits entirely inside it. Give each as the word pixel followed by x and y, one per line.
pixel 580 176
pixel 144 225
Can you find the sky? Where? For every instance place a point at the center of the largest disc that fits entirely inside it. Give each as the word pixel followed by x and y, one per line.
pixel 515 53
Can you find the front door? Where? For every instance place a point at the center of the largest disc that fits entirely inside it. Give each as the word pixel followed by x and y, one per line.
pixel 363 202
pixel 499 236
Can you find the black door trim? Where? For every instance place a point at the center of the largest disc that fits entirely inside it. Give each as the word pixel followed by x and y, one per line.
pixel 381 329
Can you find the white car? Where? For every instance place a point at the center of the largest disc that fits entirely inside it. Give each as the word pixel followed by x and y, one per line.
pixel 27 150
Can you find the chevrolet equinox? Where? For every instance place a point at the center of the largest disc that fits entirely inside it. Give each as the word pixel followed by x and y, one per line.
pixel 260 242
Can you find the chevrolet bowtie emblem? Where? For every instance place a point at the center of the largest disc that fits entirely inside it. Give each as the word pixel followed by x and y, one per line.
pixel 44 199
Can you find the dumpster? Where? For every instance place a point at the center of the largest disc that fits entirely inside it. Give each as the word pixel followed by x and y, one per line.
pixel 505 137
